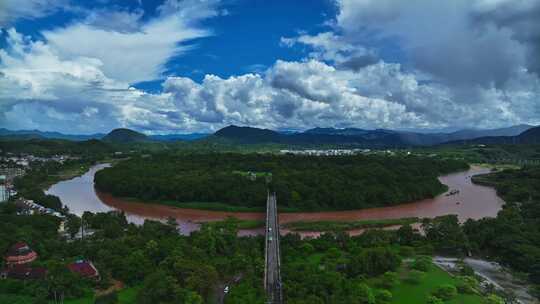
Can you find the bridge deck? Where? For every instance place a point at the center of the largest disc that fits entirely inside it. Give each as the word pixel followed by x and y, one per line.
pixel 272 279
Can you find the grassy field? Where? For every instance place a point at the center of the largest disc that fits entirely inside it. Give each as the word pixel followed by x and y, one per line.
pixel 406 293
pixel 348 225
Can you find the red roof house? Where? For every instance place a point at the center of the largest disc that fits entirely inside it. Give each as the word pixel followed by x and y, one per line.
pixel 85 269
pixel 20 253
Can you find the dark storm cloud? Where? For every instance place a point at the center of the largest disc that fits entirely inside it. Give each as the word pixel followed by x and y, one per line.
pixel 523 19
pixel 443 38
pixel 355 63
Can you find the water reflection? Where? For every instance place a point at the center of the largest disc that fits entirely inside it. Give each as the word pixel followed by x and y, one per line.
pixel 472 201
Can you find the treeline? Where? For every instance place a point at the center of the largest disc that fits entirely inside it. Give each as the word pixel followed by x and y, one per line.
pixel 47 147
pixel 301 182
pixel 161 266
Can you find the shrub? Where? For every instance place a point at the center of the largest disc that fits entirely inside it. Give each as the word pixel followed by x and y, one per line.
pixel 110 298
pixel 434 300
pixel 494 299
pixel 422 263
pixel 467 284
pixel 383 296
pixel 466 270
pixel 445 292
pixel 426 249
pixel 365 294
pixel 389 279
pixel 415 276
pixel 406 251
pixel 374 262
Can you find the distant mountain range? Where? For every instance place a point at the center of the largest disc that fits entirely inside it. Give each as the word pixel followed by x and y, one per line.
pixel 177 137
pixel 368 138
pixel 36 134
pixel 316 136
pixel 530 136
pixel 6 134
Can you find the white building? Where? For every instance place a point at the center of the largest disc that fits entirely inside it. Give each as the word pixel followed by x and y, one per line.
pixel 4 193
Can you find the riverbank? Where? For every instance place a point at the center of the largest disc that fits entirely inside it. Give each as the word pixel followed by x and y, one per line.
pixel 67 173
pixel 475 202
pixel 492 273
pixel 73 170
pixel 324 226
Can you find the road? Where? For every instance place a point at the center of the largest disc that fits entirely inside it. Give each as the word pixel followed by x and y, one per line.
pixel 272 280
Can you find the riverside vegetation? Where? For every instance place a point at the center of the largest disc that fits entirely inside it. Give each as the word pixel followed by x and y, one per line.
pixel 301 182
pixel 157 265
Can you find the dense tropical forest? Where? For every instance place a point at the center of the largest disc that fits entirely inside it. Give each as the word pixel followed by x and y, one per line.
pixel 152 263
pixel 301 182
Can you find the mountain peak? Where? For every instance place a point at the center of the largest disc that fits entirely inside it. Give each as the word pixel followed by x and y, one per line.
pixel 247 134
pixel 123 135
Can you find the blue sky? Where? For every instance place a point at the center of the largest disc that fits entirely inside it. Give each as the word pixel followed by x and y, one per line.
pixel 247 38
pixel 181 66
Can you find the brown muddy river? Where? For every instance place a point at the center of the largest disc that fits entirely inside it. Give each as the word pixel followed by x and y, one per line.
pixel 472 201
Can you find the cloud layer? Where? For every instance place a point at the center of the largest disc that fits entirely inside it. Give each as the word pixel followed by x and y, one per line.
pixel 464 64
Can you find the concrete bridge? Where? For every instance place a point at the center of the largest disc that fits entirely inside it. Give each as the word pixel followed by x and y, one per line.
pixel 272 275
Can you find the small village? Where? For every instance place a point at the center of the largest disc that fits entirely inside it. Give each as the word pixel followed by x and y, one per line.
pixel 21 262
pixel 327 152
pixel 19 265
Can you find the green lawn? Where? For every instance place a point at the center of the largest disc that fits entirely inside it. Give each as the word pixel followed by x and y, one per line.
pixel 405 293
pixel 348 225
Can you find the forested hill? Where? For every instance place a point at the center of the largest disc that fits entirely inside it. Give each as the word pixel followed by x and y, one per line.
pixel 125 136
pixel 303 183
pixel 249 135
pixel 379 138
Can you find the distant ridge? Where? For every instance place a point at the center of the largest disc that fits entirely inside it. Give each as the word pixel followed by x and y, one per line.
pixel 36 134
pixel 315 136
pixel 355 136
pixel 177 137
pixel 6 134
pixel 123 136
pixel 530 136
pixel 250 135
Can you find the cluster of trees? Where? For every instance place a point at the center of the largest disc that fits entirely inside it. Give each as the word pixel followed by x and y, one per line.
pixel 301 182
pixel 513 237
pixel 167 267
pixel 48 147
